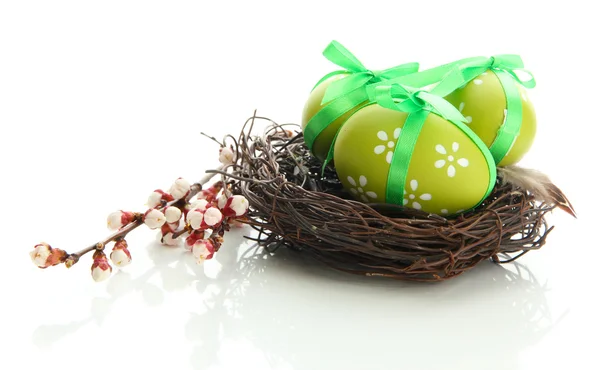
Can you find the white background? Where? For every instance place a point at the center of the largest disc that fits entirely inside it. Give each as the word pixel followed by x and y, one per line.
pixel 101 102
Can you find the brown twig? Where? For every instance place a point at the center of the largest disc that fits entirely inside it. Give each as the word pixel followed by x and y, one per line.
pixel 138 220
pixel 313 214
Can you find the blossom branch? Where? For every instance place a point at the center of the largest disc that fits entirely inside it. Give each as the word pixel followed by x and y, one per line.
pixel 205 220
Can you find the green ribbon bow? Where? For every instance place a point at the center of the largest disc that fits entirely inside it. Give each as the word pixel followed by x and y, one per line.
pixel 447 78
pixel 507 63
pixel 347 93
pixel 410 100
pixel 418 104
pixel 504 67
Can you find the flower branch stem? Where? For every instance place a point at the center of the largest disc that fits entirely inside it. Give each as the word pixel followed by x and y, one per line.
pixel 72 258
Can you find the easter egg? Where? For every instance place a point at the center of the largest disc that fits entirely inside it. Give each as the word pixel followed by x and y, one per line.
pixel 313 105
pixel 449 171
pixel 483 103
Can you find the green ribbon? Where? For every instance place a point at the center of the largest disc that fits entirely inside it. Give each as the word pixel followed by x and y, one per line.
pixel 505 68
pixel 418 104
pixel 347 93
pixel 508 63
pixel 447 78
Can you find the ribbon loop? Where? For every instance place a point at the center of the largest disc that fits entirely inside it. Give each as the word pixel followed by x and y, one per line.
pixel 509 63
pixel 347 93
pixel 359 75
pixel 338 54
pixel 407 99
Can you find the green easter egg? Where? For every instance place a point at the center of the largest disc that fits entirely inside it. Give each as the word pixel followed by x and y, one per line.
pixel 448 172
pixel 312 106
pixel 483 103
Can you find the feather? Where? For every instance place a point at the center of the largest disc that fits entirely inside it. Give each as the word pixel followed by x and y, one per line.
pixel 536 183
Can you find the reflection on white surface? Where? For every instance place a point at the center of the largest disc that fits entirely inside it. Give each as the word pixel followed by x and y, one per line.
pixel 85 86
pixel 282 311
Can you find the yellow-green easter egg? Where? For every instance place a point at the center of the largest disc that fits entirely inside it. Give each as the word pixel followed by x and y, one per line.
pixel 483 103
pixel 313 105
pixel 449 172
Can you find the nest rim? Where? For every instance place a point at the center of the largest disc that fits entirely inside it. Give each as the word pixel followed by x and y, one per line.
pixel 291 205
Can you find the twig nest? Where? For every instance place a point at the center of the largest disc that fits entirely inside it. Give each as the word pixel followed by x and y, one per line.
pixel 292 205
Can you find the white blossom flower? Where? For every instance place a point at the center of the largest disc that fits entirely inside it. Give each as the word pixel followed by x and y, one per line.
pixel 43 255
pixel 118 219
pixel 157 197
pixel 450 159
pixel 222 200
pixel 120 258
pixel 212 216
pixel 358 189
pixel 101 269
pixel 40 254
pixel 180 188
pixel 120 255
pixel 226 156
pixel 194 218
pixel 200 204
pixel 211 193
pixel 172 214
pixel 154 219
pixel 411 197
pixel 167 239
pixel 236 206
pixel 203 250
pixel 193 237
pixel 154 199
pixel 389 144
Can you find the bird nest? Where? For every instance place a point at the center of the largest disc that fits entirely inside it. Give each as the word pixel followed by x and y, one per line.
pixel 293 204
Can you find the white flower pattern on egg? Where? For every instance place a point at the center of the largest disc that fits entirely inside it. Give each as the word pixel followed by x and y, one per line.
pixel 450 160
pixel 390 144
pixel 410 197
pixel 461 106
pixel 358 189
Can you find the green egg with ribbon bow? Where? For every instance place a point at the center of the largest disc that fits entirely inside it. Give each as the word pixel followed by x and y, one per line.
pixel 495 103
pixel 412 148
pixel 338 95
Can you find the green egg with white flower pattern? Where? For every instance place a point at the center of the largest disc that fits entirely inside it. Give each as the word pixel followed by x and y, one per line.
pixel 483 103
pixel 312 106
pixel 449 171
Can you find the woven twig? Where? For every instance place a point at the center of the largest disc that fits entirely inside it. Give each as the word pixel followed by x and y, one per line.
pixel 293 206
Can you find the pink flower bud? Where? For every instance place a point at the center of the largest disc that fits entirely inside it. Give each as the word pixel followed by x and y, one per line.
pixel 212 217
pixel 195 218
pixel 180 188
pixel 236 206
pixel 167 239
pixel 211 193
pixel 200 204
pixel 222 200
pixel 120 255
pixel 203 250
pixel 118 219
pixel 169 228
pixel 226 155
pixel 43 255
pixel 193 238
pixel 153 218
pixel 157 197
pixel 172 214
pixel 101 269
